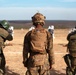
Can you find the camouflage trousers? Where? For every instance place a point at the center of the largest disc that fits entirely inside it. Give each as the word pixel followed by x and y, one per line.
pixel 39 70
pixel 71 71
pixel 2 64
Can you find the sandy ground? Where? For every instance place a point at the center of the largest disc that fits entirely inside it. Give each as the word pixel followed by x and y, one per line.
pixel 13 53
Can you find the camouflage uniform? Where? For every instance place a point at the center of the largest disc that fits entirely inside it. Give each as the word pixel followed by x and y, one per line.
pixel 4 35
pixel 71 69
pixel 43 69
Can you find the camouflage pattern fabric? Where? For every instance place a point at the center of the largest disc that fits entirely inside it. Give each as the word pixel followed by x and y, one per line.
pixel 72 52
pixel 68 71
pixel 4 35
pixel 38 17
pixel 72 43
pixel 37 68
pixel 2 64
pixel 71 64
pixel 71 72
pixel 37 60
pixel 38 42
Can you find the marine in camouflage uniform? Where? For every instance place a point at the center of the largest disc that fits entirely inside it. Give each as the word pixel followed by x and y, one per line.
pixel 38 67
pixel 4 35
pixel 71 56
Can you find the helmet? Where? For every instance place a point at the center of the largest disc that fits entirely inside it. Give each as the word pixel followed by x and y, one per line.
pixel 5 24
pixel 38 17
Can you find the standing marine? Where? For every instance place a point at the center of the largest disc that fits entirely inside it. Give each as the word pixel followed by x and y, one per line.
pixel 70 58
pixel 38 55
pixel 4 35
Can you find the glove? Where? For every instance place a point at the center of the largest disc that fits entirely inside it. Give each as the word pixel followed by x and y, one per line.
pixel 25 63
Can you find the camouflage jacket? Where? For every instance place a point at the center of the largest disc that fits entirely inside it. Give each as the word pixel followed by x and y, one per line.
pixel 27 50
pixel 4 35
pixel 72 43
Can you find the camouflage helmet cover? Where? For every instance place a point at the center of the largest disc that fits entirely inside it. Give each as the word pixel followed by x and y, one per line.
pixel 38 17
pixel 5 24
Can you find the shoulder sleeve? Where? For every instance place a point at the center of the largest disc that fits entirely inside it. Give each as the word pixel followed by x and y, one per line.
pixel 5 35
pixel 68 36
pixel 49 41
pixel 26 46
pixel 50 48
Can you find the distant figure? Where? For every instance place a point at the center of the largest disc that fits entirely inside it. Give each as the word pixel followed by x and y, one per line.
pixel 51 30
pixel 11 30
pixel 31 28
pixel 38 56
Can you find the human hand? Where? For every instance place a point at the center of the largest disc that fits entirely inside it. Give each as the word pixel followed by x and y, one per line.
pixel 50 66
pixel 24 63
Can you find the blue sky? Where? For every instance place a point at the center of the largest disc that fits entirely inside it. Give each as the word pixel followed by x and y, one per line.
pixel 25 9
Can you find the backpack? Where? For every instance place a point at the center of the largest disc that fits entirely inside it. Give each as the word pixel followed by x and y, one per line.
pixel 38 40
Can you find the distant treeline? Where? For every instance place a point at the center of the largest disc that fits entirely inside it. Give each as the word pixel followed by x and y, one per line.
pixel 57 23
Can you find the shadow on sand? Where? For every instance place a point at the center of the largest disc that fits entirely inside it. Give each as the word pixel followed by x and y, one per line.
pixel 9 72
pixel 55 72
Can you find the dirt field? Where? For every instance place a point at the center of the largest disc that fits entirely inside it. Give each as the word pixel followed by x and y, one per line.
pixel 13 53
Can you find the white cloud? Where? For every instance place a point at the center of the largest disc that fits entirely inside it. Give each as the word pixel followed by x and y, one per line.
pixel 13 13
